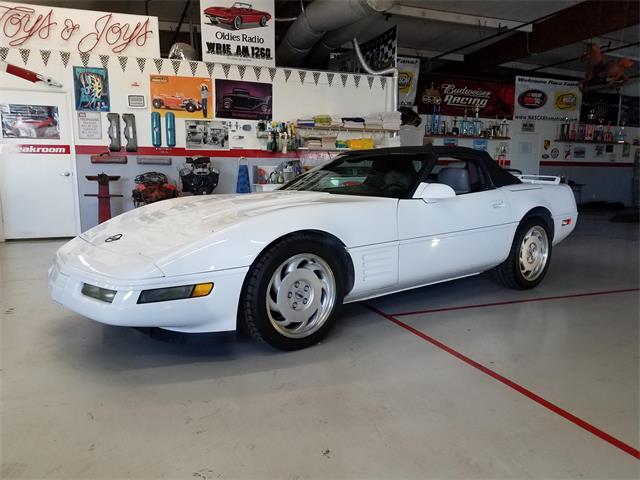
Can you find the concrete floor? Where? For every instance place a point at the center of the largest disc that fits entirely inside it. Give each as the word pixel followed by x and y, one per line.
pixel 376 400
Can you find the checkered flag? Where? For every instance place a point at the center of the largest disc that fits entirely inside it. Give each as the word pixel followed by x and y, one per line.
pixel 287 74
pixel 194 68
pixel 65 56
pixel 226 68
pixel 272 73
pixel 123 62
pixel 24 53
pixel 241 70
pixel 302 74
pixel 316 77
pixel 383 82
pixel 142 62
pixel 381 52
pixel 4 51
pixel 45 54
pixel 158 62
pixel 370 80
pixel 257 71
pixel 104 60
pixel 343 78
pixel 356 80
pixel 84 58
pixel 176 65
pixel 330 78
pixel 210 67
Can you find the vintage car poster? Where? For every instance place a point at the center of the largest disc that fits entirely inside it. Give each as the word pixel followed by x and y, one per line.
pixel 457 96
pixel 91 87
pixel 186 97
pixel 206 134
pixel 29 121
pixel 243 100
pixel 547 99
pixel 238 32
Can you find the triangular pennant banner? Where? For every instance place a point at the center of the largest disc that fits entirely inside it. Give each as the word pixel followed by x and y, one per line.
pixel 302 74
pixel 316 77
pixel 84 58
pixel 193 66
pixel 226 68
pixel 45 54
pixel 356 80
pixel 104 60
pixel 24 53
pixel 158 62
pixel 241 70
pixel 370 80
pixel 65 56
pixel 141 63
pixel 257 71
pixel 123 62
pixel 330 78
pixel 343 78
pixel 4 51
pixel 272 73
pixel 210 67
pixel 383 82
pixel 176 65
pixel 287 74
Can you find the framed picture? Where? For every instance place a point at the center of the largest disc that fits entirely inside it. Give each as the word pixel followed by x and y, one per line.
pixel 137 101
pixel 243 100
pixel 91 88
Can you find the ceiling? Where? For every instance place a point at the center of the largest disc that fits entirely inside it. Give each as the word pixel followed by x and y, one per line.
pixel 422 37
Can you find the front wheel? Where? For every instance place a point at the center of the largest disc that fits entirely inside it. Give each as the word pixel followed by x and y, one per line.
pixel 263 21
pixel 529 257
pixel 292 294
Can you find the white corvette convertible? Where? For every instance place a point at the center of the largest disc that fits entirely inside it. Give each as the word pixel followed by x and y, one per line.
pixel 279 265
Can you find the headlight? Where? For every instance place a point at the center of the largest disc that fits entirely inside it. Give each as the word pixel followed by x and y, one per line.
pixel 175 293
pixel 98 293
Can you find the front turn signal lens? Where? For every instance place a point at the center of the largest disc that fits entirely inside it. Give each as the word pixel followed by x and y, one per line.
pixel 202 289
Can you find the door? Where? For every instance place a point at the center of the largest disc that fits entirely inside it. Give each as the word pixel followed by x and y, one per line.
pixel 452 237
pixel 38 189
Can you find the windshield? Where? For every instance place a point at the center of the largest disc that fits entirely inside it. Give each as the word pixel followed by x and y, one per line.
pixel 391 175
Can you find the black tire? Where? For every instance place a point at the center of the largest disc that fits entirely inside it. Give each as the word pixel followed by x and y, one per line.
pixel 252 310
pixel 190 107
pixel 227 104
pixel 508 273
pixel 157 103
pixel 237 23
pixel 263 21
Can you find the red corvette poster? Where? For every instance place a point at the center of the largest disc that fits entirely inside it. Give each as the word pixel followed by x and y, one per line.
pixel 238 32
pixel 494 100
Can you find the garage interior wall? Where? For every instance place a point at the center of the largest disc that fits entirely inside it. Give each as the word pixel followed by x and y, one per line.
pixel 296 93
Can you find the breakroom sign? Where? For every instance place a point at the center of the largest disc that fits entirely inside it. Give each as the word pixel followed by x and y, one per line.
pixel 38 26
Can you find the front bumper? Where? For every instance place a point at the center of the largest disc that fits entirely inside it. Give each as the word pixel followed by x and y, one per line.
pixel 214 313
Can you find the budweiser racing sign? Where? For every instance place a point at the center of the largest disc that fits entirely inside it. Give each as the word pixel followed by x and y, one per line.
pixel 493 100
pixel 45 149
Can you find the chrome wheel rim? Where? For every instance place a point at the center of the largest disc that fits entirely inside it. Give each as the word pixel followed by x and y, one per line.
pixel 301 295
pixel 534 253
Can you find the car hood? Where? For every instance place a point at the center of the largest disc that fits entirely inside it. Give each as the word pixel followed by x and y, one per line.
pixel 157 230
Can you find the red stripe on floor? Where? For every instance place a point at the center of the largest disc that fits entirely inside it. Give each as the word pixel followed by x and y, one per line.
pixel 518 388
pixel 511 302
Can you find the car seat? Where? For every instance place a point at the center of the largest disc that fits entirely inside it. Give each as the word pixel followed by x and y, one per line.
pixel 457 178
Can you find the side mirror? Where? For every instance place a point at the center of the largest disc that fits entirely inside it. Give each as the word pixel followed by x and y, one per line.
pixel 430 192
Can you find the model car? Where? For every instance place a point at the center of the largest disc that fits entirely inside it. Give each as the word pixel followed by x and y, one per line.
pixel 236 15
pixel 176 102
pixel 279 265
pixel 241 99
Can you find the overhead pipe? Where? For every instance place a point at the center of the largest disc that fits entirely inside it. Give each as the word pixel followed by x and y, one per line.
pixel 371 71
pixel 320 17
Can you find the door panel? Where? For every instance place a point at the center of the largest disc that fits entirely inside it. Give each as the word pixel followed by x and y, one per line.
pixel 452 237
pixel 38 190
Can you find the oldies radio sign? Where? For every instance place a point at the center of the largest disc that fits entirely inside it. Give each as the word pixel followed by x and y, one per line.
pixel 36 26
pixel 238 32
pixel 492 100
pixel 547 99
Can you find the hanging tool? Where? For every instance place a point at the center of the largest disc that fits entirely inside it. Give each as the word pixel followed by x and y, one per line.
pixel 104 197
pixel 29 75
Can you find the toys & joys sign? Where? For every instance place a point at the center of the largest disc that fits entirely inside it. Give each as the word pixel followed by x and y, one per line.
pixel 36 26
pixel 238 32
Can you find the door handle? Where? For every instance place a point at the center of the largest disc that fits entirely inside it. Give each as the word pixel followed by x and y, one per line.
pixel 498 204
pixel 65 174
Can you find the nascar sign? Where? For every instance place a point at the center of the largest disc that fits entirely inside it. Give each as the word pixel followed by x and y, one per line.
pixel 547 99
pixel 408 69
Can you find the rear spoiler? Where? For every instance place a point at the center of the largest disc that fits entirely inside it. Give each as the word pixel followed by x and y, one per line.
pixel 543 179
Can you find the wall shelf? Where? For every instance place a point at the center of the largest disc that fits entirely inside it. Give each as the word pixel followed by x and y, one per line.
pixel 311 149
pixel 347 129
pixel 467 136
pixel 590 141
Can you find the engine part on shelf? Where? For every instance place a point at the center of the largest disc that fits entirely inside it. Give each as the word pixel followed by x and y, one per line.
pixel 156 131
pixel 153 160
pixel 170 124
pixel 108 157
pixel 152 187
pixel 114 132
pixel 130 132
pixel 104 197
pixel 198 176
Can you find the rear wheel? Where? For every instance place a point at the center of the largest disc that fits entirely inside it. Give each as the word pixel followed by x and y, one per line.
pixel 529 257
pixel 292 294
pixel 190 107
pixel 157 103
pixel 237 23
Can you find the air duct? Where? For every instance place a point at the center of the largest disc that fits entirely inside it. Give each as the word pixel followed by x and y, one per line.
pixel 320 17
